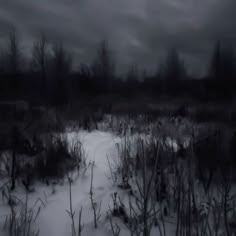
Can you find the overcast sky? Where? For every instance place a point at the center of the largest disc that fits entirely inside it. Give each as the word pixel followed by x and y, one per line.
pixel 138 31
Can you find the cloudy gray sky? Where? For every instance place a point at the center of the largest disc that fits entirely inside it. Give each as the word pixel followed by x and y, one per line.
pixel 138 31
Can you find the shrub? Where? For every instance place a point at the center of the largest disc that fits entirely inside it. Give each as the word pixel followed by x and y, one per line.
pixel 19 223
pixel 212 155
pixel 181 111
pixel 58 158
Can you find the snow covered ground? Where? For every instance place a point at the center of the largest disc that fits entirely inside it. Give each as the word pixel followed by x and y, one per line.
pixel 53 219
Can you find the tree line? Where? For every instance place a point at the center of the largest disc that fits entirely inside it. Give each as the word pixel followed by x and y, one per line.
pixel 48 75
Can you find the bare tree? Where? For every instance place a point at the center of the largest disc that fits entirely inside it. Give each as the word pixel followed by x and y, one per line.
pixel 61 65
pixel 13 52
pixel 2 61
pixel 222 63
pixel 174 68
pixel 40 57
pixel 61 58
pixel 215 64
pixel 229 65
pixel 132 74
pixel 104 66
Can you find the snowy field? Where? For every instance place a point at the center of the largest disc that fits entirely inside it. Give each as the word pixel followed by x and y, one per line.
pixel 53 219
pixel 53 200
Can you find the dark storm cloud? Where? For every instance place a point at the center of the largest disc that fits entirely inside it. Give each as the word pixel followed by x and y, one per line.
pixel 139 31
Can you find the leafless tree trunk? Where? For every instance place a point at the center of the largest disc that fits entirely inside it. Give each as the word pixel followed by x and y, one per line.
pixel 104 66
pixel 61 62
pixel 40 57
pixel 13 52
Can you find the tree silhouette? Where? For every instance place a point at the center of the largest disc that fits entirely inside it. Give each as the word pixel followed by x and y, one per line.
pixel 104 66
pixel 13 53
pixel 174 68
pixel 61 64
pixel 12 58
pixel 222 64
pixel 40 56
pixel 228 67
pixel 216 62
pixel 132 74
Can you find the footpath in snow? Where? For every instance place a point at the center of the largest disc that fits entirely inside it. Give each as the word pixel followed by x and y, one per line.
pixel 54 220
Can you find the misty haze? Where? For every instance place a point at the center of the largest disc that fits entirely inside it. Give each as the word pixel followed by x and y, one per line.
pixel 117 118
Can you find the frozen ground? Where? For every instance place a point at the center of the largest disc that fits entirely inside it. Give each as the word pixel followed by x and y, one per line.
pixel 53 219
pixel 98 146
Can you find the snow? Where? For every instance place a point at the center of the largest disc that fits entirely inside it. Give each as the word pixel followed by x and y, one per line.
pixel 53 219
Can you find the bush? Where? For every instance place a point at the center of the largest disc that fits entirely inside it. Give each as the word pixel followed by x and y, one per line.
pixel 58 158
pixel 181 111
pixel 211 115
pixel 20 221
pixel 213 155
